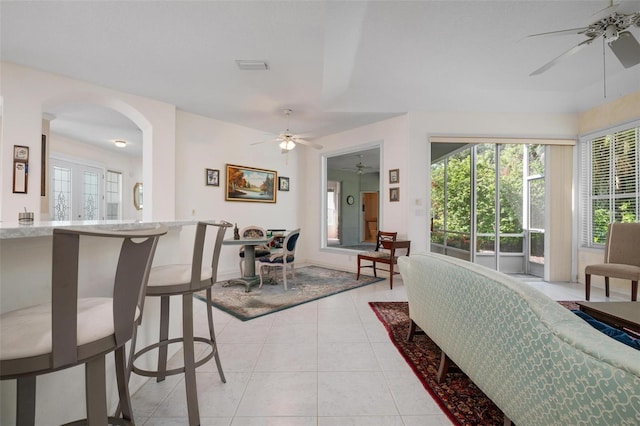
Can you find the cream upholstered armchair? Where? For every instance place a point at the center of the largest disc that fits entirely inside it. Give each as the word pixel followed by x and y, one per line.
pixel 621 258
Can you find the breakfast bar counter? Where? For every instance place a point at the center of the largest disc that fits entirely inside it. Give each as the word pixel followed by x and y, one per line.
pixel 25 280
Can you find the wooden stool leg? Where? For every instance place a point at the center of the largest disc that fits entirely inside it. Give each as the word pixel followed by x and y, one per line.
pixel 412 331
pixel 212 336
pixel 587 286
pixel 634 291
pixel 96 391
pixel 391 275
pixel 164 336
pixel 189 360
pixel 606 286
pixel 26 401
pixel 358 275
pixel 444 367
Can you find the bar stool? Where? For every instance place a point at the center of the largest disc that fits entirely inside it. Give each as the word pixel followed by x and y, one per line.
pixel 71 331
pixel 185 280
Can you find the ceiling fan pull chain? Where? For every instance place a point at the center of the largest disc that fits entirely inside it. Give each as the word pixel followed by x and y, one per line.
pixel 604 68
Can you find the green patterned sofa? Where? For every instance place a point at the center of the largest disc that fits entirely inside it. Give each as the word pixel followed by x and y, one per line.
pixel 539 362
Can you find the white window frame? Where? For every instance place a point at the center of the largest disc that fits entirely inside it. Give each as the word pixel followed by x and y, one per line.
pixel 585 182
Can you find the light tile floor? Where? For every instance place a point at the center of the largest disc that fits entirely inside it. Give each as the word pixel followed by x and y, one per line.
pixel 325 363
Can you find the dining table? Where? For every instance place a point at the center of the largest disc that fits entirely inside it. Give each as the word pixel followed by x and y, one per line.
pixel 250 278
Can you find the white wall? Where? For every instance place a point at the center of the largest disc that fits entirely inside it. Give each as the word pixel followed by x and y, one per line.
pixel 28 93
pixel 393 136
pixel 203 143
pixel 406 147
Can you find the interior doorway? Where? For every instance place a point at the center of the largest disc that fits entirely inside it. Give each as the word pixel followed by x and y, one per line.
pixel 369 216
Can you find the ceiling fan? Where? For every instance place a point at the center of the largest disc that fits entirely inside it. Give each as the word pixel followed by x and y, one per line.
pixel 287 140
pixel 360 167
pixel 611 26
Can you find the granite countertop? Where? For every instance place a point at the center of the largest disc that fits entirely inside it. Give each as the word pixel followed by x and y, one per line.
pixel 9 230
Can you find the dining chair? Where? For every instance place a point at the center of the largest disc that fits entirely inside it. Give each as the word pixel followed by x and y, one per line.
pixel 185 280
pixel 260 250
pixel 282 259
pixel 72 330
pixel 385 253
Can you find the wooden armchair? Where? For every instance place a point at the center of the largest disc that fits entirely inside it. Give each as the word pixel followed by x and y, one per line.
pixel 385 252
pixel 621 258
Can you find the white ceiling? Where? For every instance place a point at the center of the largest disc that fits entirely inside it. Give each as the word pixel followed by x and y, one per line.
pixel 337 64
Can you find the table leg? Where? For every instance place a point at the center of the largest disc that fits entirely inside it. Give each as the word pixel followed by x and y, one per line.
pixel 249 277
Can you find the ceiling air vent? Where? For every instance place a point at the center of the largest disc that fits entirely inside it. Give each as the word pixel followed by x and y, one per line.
pixel 249 65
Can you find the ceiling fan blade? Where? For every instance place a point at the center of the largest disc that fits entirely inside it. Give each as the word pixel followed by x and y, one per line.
pixel 627 49
pixel 566 54
pixel 258 143
pixel 601 14
pixel 307 143
pixel 561 32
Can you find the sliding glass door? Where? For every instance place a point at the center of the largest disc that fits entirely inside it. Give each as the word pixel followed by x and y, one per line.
pixel 488 205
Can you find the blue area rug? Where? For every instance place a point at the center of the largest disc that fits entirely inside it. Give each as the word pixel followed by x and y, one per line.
pixel 310 283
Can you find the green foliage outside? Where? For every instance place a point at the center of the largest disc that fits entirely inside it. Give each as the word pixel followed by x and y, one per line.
pixel 614 192
pixel 458 196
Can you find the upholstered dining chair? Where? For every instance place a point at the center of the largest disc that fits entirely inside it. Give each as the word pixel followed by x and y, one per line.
pixel 185 280
pixel 260 250
pixel 385 253
pixel 621 258
pixel 73 330
pixel 282 259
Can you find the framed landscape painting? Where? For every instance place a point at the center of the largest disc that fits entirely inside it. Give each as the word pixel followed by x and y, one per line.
pixel 250 184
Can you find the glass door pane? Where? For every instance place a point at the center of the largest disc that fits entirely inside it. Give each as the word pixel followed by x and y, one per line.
pixel 60 193
pixel 90 195
pixel 511 203
pixel 536 227
pixel 485 205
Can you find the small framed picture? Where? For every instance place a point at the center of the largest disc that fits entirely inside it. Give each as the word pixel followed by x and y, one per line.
pixel 213 177
pixel 283 183
pixel 394 176
pixel 394 194
pixel 20 175
pixel 21 153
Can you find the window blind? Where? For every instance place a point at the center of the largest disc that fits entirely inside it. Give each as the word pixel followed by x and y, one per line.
pixel 609 183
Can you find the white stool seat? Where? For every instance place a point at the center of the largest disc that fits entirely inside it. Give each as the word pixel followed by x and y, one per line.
pixel 169 275
pixel 95 322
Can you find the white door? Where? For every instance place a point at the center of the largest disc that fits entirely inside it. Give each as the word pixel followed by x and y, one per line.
pixel 76 191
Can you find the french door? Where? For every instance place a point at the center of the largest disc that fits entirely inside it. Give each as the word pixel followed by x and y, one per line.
pixel 76 191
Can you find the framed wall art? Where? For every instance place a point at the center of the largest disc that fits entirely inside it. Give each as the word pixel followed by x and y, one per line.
pixel 394 194
pixel 283 183
pixel 212 177
pixel 20 169
pixel 250 184
pixel 394 176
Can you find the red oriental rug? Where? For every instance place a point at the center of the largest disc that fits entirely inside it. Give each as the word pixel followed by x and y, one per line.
pixel 458 397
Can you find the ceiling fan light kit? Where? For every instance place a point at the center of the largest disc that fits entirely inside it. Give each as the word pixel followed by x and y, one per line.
pixel 287 140
pixel 287 145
